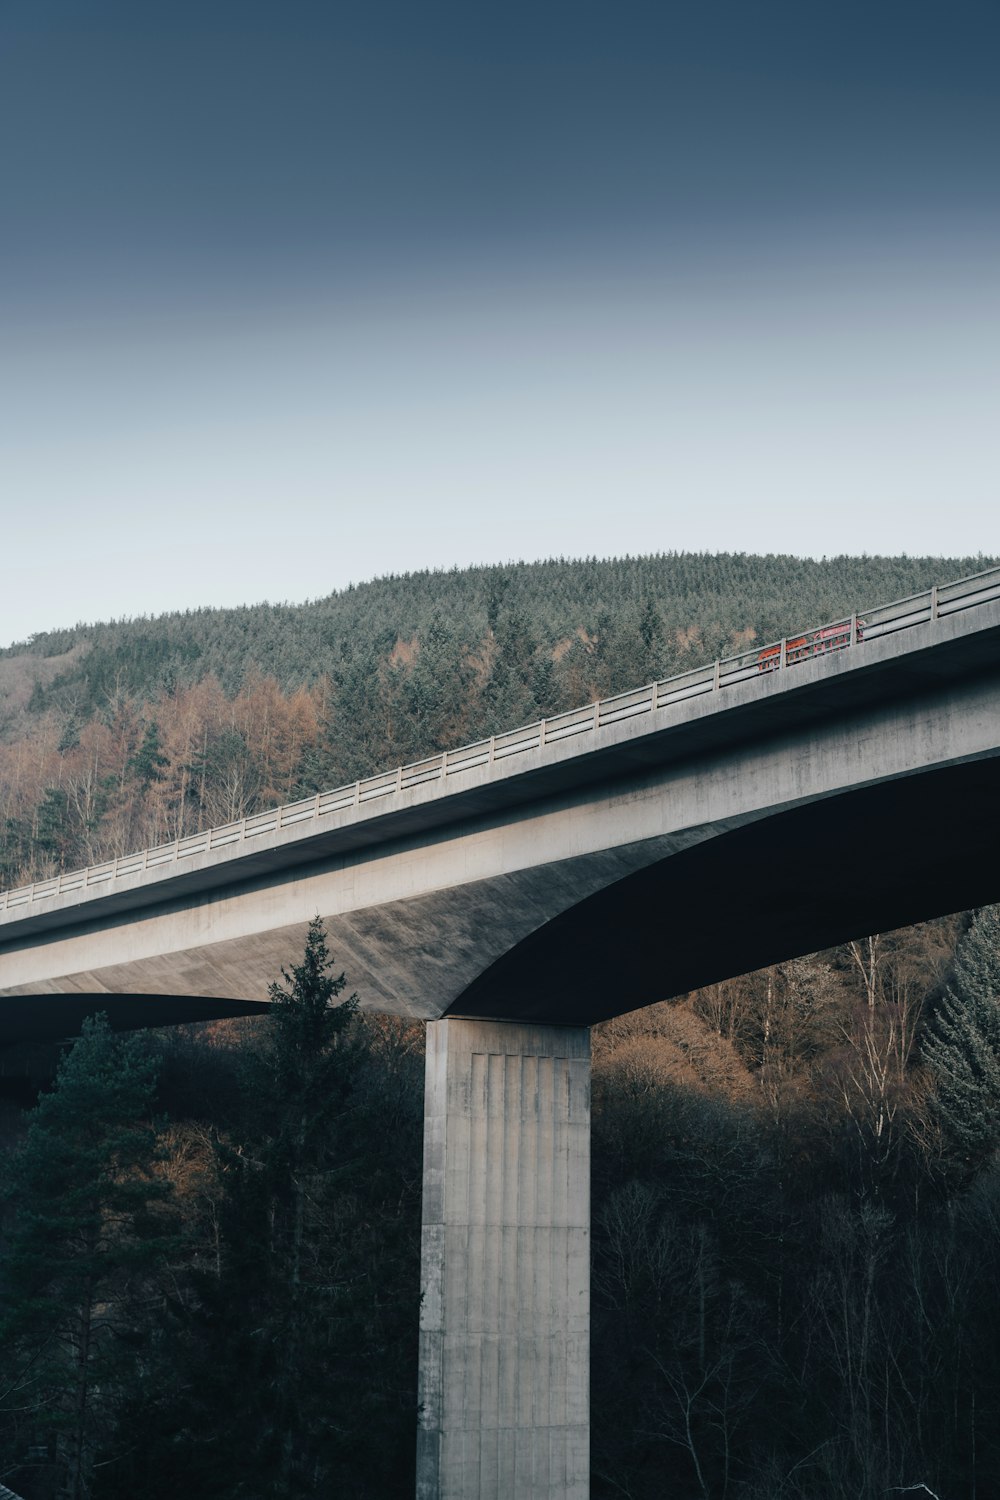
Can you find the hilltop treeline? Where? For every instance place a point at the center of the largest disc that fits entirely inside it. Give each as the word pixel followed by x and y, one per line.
pixel 209 1258
pixel 116 737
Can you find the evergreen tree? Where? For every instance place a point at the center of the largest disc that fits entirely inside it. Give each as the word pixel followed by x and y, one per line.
pixel 519 689
pixel 304 1313
pixel 436 692
pixel 651 636
pixel 52 837
pixel 17 851
pixel 361 724
pixel 86 1233
pixel 962 1045
pixel 149 760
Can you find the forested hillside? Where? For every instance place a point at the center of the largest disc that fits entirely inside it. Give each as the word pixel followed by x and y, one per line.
pixel 209 1238
pixel 118 736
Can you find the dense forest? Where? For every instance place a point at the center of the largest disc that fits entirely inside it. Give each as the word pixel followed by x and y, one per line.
pixel 209 1252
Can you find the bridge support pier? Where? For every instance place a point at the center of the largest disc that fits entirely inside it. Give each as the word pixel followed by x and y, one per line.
pixel 505 1275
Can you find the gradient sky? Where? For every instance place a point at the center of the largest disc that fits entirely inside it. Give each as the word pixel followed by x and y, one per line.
pixel 293 294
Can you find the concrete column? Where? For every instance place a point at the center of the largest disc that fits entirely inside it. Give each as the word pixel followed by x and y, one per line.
pixel 505 1275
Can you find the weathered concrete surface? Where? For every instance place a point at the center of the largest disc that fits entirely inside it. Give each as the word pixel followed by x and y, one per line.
pixel 873 772
pixel 505 1264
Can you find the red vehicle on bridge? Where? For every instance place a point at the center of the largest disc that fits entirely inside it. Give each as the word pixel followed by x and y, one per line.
pixel 814 643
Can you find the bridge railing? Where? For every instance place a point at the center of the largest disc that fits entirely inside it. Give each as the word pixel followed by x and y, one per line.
pixel 843 634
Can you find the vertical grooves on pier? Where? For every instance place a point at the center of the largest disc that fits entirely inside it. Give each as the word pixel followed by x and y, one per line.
pixel 504 1356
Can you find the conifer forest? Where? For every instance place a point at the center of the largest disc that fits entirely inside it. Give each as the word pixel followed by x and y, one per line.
pixel 209 1235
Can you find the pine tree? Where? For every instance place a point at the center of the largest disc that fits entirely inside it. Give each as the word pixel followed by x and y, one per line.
pixel 52 838
pixel 308 1313
pixel 520 685
pixel 273 1340
pixel 149 760
pixel 962 1045
pixel 299 1176
pixel 84 1237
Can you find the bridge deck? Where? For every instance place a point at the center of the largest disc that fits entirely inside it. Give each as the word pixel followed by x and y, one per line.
pixel 866 658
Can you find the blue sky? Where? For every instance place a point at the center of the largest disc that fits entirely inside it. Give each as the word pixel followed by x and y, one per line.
pixel 293 295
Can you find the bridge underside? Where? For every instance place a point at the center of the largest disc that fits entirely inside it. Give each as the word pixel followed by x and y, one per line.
pixel 867 861
pixel 50 1018
pixel 580 940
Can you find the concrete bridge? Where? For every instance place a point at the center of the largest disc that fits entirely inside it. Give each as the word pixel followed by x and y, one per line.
pixel 513 892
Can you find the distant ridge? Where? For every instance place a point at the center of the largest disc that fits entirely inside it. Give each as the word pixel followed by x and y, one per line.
pixel 296 642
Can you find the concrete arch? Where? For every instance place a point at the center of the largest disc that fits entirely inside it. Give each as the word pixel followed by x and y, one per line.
pixel 868 860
